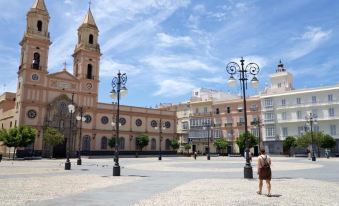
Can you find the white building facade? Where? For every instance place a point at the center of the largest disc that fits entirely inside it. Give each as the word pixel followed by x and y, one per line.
pixel 284 110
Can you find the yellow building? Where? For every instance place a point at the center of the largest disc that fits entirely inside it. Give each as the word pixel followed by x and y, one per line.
pixel 42 98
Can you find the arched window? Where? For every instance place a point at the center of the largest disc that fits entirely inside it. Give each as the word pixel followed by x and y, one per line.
pixel 104 143
pixel 86 143
pixel 89 71
pixel 39 25
pixel 36 60
pixel 168 144
pixel 153 144
pixel 122 143
pixel 90 39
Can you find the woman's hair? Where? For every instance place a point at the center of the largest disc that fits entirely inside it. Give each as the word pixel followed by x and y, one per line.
pixel 262 151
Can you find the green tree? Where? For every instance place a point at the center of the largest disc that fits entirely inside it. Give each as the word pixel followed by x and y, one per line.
pixel 220 144
pixel 175 144
pixel 187 147
pixel 289 143
pixel 306 139
pixel 26 135
pixel 241 141
pixel 142 141
pixel 303 141
pixel 53 137
pixel 7 140
pixel 18 137
pixel 327 142
pixel 111 142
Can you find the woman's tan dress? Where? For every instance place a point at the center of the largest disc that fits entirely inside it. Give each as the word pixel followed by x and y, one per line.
pixel 264 169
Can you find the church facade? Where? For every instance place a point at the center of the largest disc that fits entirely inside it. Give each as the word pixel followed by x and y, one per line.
pixel 42 98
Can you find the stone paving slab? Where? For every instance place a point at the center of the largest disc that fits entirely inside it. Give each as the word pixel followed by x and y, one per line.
pixel 174 180
pixel 21 191
pixel 220 192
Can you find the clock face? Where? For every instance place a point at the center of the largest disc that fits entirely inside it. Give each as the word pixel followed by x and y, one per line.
pixel 35 77
pixel 31 114
pixel 89 85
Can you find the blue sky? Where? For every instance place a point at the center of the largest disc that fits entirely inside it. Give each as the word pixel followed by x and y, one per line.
pixel 169 47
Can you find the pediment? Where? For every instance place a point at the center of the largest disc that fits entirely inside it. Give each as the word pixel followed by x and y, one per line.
pixel 65 75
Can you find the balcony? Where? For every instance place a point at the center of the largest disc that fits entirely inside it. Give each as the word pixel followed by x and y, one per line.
pixel 254 123
pixel 205 114
pixel 269 121
pixel 229 124
pixel 268 108
pixel 217 125
pixel 307 104
pixel 240 124
pixel 253 109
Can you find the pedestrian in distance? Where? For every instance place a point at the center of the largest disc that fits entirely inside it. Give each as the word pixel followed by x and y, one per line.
pixel 264 171
pixel 195 155
pixel 308 154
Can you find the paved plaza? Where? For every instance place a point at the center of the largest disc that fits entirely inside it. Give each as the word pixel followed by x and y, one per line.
pixel 172 181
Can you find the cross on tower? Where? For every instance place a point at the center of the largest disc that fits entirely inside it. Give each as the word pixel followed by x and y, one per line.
pixel 65 65
pixel 89 4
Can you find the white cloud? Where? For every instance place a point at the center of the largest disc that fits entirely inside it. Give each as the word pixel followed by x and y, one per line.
pixel 166 40
pixel 140 31
pixel 110 67
pixel 68 1
pixel 168 63
pixel 174 87
pixel 217 80
pixel 308 41
pixel 200 8
pixel 259 60
pixel 315 34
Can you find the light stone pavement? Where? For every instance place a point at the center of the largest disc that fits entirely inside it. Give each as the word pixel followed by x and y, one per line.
pixel 172 181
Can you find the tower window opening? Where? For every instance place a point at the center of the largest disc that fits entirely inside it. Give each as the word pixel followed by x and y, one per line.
pixel 36 61
pixel 39 25
pixel 89 71
pixel 90 39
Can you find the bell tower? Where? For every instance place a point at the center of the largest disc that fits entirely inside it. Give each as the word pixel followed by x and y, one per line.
pixel 34 59
pixel 281 80
pixel 35 43
pixel 87 56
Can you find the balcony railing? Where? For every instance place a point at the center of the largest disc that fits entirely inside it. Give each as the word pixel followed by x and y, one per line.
pixel 267 121
pixel 229 124
pixel 240 123
pixel 307 104
pixel 201 114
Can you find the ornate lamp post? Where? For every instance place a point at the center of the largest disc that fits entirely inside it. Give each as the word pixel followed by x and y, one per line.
pixel 251 69
pixel 118 85
pixel 161 127
pixel 71 109
pixel 81 119
pixel 311 120
pixel 209 129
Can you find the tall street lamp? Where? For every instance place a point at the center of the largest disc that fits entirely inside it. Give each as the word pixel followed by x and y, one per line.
pixel 208 127
pixel 311 120
pixel 161 127
pixel 71 109
pixel 81 119
pixel 244 72
pixel 118 85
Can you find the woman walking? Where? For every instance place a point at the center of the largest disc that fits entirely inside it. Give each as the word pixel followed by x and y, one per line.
pixel 264 171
